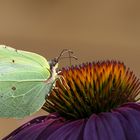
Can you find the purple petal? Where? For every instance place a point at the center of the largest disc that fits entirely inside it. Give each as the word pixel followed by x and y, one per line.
pixel 71 131
pixel 32 129
pixel 91 131
pixel 120 124
pixel 52 124
pixel 130 120
pixel 24 130
pixel 104 127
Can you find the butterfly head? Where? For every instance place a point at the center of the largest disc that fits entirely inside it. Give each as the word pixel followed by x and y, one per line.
pixel 53 63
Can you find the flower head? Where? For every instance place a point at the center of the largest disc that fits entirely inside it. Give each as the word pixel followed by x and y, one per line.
pixel 92 88
pixel 91 101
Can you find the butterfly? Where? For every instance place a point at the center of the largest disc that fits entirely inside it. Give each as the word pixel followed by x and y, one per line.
pixel 26 79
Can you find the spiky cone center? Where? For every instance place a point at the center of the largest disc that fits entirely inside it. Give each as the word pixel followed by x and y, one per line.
pixel 92 88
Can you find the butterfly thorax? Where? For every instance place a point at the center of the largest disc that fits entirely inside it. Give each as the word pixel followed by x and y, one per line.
pixel 53 72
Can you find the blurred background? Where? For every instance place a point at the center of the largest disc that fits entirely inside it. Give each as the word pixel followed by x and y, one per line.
pixel 93 29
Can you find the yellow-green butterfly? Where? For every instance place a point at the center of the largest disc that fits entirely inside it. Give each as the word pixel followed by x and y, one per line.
pixel 26 79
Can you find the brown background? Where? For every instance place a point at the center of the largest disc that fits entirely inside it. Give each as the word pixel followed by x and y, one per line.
pixel 93 29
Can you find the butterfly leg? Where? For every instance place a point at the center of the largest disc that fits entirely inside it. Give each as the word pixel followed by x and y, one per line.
pixel 62 81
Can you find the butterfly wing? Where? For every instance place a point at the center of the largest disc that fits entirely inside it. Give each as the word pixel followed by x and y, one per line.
pixel 23 84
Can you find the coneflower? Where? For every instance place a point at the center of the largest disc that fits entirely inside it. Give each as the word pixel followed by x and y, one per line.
pixel 92 101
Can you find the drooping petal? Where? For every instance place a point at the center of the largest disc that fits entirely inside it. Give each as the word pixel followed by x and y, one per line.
pixel 35 128
pixel 120 124
pixel 23 131
pixel 103 127
pixel 130 120
pixel 71 131
pixel 52 124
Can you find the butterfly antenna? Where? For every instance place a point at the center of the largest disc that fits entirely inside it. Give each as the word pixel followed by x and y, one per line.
pixel 70 52
pixel 63 52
